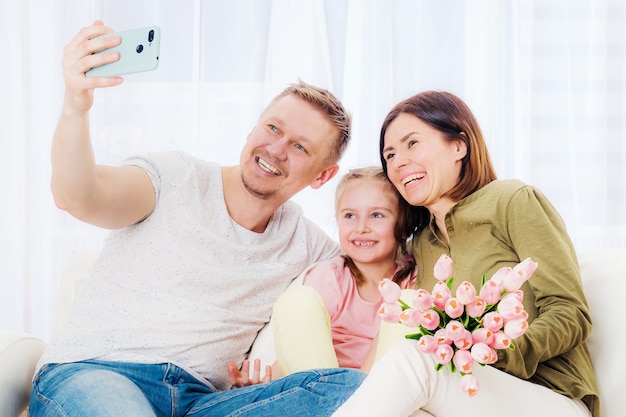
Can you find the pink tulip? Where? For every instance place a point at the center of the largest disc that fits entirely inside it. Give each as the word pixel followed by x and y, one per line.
pixel 389 290
pixel 390 313
pixel 482 353
pixel 528 266
pixel 476 308
pixel 430 319
pixel 490 292
pixel 510 308
pixel 520 274
pixel 500 274
pixel 463 361
pixel 482 335
pixel 442 337
pixel 501 340
pixel 443 268
pixel 423 300
pixel 469 384
pixel 514 280
pixel 440 286
pixel 466 293
pixel 410 317
pixel 443 354
pixel 427 344
pixel 519 294
pixel 455 330
pixel 440 294
pixel 493 321
pixel 515 328
pixel 453 308
pixel 465 342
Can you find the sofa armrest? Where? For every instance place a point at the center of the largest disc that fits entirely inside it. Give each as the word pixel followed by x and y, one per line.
pixel 603 279
pixel 19 354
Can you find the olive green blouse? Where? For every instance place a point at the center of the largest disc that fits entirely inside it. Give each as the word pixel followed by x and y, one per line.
pixel 500 225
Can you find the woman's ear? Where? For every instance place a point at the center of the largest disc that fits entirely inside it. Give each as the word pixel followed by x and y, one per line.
pixel 461 146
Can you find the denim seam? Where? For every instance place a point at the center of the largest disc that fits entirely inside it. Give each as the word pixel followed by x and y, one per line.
pixel 248 407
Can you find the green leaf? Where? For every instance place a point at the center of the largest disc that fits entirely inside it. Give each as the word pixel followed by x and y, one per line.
pixel 449 282
pixel 465 319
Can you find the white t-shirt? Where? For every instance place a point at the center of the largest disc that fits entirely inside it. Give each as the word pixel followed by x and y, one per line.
pixel 187 285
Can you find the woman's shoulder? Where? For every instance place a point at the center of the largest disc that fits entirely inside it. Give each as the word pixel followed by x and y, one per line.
pixel 508 186
pixel 498 192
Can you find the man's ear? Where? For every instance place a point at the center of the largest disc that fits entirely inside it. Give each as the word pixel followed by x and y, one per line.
pixel 325 176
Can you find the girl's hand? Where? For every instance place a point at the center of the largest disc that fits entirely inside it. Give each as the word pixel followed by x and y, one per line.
pixel 242 378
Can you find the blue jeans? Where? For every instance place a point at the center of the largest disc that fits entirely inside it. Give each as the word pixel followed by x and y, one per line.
pixel 112 389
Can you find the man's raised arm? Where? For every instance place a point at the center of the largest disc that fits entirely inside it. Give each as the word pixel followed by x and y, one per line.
pixel 106 196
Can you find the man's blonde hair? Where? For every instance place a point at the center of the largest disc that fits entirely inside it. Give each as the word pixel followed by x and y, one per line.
pixel 330 105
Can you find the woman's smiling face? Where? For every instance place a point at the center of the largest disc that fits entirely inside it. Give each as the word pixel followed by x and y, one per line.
pixel 421 163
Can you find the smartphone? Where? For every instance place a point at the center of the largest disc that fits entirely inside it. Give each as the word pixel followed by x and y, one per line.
pixel 139 51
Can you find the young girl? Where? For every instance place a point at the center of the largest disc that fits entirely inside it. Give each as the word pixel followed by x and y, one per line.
pixel 331 320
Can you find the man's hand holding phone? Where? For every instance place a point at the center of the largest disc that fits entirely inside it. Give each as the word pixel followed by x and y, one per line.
pixel 78 58
pixel 97 56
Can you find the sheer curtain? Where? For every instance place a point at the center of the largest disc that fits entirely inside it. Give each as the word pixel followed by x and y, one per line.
pixel 546 80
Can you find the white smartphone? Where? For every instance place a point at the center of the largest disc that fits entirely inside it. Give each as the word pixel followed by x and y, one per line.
pixel 139 51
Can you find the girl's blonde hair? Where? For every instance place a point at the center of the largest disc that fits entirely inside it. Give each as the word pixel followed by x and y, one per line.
pixel 403 221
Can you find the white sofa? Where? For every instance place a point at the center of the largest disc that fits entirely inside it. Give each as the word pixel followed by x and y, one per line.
pixel 602 274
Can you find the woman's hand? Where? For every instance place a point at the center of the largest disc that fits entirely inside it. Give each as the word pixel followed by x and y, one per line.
pixel 242 378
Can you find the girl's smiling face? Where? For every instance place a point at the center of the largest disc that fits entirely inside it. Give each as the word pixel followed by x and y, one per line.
pixel 366 216
pixel 421 163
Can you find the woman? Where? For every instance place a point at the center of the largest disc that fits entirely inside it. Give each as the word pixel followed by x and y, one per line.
pixel 433 151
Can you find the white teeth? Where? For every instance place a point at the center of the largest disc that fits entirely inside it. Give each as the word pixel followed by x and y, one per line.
pixel 413 177
pixel 269 168
pixel 361 243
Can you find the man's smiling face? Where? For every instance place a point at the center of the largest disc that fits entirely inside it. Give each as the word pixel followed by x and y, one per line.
pixel 287 150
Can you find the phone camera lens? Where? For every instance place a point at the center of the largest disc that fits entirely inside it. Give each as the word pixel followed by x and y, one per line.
pixel 151 36
pixel 139 48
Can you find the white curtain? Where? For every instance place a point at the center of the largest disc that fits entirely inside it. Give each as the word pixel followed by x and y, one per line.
pixel 545 78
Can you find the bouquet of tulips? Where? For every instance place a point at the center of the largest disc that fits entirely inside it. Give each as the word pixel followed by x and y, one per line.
pixel 467 327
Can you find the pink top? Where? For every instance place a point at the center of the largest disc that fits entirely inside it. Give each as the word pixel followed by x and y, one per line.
pixel 354 322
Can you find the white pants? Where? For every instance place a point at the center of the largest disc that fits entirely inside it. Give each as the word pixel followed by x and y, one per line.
pixel 404 382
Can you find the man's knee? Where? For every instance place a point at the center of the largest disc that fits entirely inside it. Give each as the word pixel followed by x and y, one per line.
pixel 77 390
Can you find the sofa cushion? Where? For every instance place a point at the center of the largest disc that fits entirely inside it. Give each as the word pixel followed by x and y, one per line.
pixel 602 280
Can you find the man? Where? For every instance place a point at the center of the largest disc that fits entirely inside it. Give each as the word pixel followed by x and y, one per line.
pixel 196 258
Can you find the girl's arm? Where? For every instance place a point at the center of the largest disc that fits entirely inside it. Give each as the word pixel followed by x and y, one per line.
pixel 371 356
